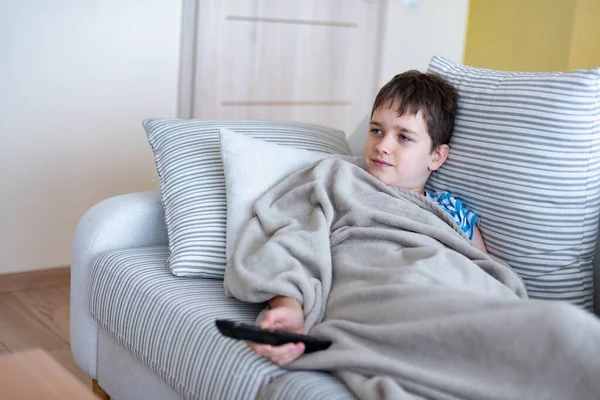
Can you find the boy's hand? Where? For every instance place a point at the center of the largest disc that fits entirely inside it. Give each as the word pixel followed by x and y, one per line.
pixel 286 316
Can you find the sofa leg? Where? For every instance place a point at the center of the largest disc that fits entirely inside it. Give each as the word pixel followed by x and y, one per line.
pixel 98 391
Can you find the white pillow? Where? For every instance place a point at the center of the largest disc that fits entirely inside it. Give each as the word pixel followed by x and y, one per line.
pixel 252 167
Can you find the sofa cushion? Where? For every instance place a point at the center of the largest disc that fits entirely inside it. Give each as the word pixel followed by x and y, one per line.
pixel 168 323
pixel 525 157
pixel 192 184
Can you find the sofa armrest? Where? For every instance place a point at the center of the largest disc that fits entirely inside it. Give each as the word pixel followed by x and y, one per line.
pixel 131 220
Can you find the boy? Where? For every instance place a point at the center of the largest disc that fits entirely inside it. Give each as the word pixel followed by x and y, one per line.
pixel 411 125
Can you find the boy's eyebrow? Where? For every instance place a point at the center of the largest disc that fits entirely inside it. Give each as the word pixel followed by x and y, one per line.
pixel 397 128
pixel 405 130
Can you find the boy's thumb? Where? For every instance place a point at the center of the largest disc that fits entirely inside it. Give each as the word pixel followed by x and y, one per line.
pixel 269 318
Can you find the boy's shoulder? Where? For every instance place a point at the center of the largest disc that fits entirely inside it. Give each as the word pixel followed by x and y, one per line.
pixel 446 199
pixel 463 216
pixel 440 195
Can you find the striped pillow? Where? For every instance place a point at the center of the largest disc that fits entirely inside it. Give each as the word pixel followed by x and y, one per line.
pixel 192 183
pixel 525 156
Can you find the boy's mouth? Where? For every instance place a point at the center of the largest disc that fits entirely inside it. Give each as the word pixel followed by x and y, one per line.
pixel 381 163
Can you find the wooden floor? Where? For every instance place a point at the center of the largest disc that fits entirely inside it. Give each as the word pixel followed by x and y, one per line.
pixel 38 318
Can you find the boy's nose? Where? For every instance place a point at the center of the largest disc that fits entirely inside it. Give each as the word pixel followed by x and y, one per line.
pixel 383 147
pixel 382 150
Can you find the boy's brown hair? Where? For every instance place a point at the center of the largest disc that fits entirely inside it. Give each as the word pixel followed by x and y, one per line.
pixel 415 91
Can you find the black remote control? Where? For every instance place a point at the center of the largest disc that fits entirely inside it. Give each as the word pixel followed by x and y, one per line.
pixel 254 333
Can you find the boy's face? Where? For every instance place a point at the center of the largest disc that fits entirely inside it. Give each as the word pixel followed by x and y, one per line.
pixel 398 149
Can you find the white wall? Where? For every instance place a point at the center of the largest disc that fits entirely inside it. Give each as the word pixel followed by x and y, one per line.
pixel 411 36
pixel 78 77
pixel 76 80
pixel 414 34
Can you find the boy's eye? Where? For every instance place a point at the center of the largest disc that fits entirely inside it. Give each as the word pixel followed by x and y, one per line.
pixel 404 138
pixel 376 131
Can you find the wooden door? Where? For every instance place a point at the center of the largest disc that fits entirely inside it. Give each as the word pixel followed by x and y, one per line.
pixel 295 60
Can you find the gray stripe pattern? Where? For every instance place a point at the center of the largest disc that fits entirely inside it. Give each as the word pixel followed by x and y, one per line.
pixel 306 385
pixel 168 323
pixel 192 183
pixel 525 157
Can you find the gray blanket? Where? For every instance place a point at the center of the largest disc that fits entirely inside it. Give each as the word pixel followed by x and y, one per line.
pixel 412 308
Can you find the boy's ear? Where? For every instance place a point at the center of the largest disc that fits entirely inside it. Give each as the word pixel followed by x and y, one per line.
pixel 439 156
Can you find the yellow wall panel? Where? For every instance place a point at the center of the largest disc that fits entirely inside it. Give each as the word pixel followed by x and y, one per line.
pixel 520 35
pixel 585 43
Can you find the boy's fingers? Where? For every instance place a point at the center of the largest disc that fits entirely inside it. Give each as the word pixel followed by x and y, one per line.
pixel 274 353
pixel 285 351
pixel 266 322
pixel 277 315
pixel 279 351
pixel 267 318
pixel 272 320
pixel 270 351
pixel 280 355
pixel 262 349
pixel 294 351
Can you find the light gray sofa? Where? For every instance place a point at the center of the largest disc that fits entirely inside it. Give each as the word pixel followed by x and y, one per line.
pixel 144 333
pixel 151 335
